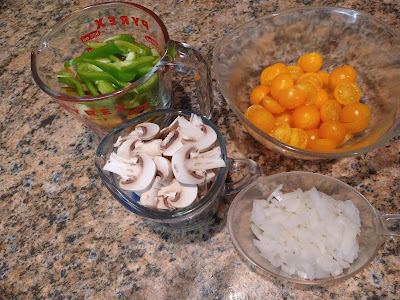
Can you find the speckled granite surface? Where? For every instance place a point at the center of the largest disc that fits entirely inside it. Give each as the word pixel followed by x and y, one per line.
pixel 62 236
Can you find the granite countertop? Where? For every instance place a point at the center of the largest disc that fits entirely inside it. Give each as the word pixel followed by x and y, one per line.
pixel 62 235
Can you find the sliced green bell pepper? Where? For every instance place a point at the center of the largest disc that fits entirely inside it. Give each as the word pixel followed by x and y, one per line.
pixel 104 86
pixel 120 37
pixel 91 72
pixel 67 78
pixel 107 49
pixel 122 70
pixel 150 84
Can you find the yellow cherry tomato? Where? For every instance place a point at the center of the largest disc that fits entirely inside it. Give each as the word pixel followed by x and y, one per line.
pixel 291 98
pixel 324 77
pixel 258 93
pixel 272 105
pixel 344 73
pixel 280 82
pixel 312 78
pixel 310 90
pixel 332 130
pixel 310 62
pixel 281 132
pixel 298 138
pixel 321 145
pixel 295 71
pixel 260 117
pixel 269 73
pixel 356 126
pixel 354 112
pixel 330 110
pixel 347 92
pixel 285 117
pixel 306 117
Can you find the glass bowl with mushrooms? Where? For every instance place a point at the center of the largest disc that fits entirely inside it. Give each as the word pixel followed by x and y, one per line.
pixel 170 166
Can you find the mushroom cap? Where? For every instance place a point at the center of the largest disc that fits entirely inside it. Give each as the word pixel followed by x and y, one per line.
pixel 146 170
pixel 125 149
pixel 182 169
pixel 178 195
pixel 205 141
pixel 146 131
pixel 164 174
pixel 196 133
pixel 163 204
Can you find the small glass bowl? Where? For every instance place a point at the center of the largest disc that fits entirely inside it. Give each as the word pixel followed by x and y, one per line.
pixel 341 36
pixel 375 225
pixel 198 212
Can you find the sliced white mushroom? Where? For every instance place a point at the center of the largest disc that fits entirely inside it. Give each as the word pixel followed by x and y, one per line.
pixel 126 147
pixel 171 143
pixel 189 130
pixel 149 198
pixel 151 148
pixel 145 170
pixel 164 131
pixel 148 159
pixel 121 166
pixel 205 186
pixel 163 177
pixel 210 176
pixel 164 173
pixel 163 204
pixel 146 131
pixel 189 166
pixel 196 120
pixel 178 195
pixel 196 133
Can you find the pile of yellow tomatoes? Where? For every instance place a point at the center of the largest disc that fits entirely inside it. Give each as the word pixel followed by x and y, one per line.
pixel 305 107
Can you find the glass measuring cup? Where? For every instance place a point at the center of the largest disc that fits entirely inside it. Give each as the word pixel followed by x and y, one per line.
pixel 375 225
pixel 102 113
pixel 197 213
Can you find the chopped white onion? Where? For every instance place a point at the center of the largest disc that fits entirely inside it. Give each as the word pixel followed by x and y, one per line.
pixel 309 234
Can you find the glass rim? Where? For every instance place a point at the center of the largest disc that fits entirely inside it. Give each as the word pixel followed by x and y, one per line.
pixel 389 132
pixel 153 214
pixel 69 18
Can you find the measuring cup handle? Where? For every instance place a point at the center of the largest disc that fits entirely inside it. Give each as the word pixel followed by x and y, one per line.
pixel 250 169
pixel 390 224
pixel 189 60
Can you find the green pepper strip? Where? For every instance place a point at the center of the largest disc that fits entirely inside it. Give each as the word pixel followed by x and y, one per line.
pixel 91 87
pixel 67 78
pixel 148 85
pixel 89 72
pixel 113 58
pixel 146 49
pixel 93 45
pixel 143 71
pixel 104 86
pixel 107 49
pixel 122 70
pixel 120 37
pixel 126 47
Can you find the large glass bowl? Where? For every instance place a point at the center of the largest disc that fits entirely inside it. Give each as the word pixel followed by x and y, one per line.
pixel 375 225
pixel 341 36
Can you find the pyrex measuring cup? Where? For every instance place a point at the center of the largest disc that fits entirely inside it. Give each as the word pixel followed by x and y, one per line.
pixel 66 39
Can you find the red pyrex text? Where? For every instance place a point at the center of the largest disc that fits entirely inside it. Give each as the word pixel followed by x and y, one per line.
pixel 123 20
